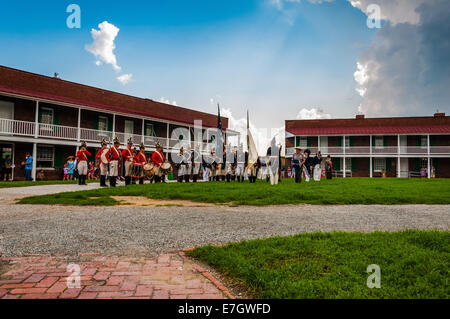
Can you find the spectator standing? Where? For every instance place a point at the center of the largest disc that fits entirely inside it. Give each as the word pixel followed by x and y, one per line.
pixel 28 167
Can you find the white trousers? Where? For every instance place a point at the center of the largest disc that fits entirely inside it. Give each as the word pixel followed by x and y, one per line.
pixel 228 168
pixel 196 169
pixel 128 168
pixel 240 169
pixel 305 171
pixel 274 178
pixel 183 170
pixel 114 168
pixel 82 168
pixel 103 169
pixel 205 174
pixel 317 173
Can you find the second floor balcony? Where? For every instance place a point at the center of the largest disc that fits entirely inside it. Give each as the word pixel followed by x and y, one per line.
pixel 16 128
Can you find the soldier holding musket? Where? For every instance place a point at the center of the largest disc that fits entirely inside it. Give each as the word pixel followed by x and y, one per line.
pixel 196 163
pixel 128 156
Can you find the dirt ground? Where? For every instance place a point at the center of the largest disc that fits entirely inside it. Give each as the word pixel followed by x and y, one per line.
pixel 148 202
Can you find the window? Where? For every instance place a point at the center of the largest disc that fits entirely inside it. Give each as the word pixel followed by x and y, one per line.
pixel 348 164
pixel 303 142
pixel 379 141
pixel 423 141
pixel 149 130
pixel 379 164
pixel 102 123
pixel 45 156
pixel 46 115
pixel 347 142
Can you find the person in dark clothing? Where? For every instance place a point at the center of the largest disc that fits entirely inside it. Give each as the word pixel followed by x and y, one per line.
pixel 329 167
pixel 316 167
pixel 307 164
pixel 297 159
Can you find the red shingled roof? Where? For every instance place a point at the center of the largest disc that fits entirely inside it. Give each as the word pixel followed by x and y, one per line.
pixel 28 84
pixel 371 126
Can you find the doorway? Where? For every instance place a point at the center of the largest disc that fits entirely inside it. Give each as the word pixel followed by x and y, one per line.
pixel 7 159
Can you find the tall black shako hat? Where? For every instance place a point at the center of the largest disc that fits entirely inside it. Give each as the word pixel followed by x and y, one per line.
pixel 83 144
pixel 130 141
pixel 116 141
pixel 104 143
pixel 141 146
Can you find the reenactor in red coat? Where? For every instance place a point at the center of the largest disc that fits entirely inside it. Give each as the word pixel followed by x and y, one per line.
pixel 82 164
pixel 114 156
pixel 103 162
pixel 128 155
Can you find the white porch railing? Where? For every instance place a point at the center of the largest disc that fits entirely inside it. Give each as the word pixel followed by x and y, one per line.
pixel 13 127
pixel 58 131
pixel 90 135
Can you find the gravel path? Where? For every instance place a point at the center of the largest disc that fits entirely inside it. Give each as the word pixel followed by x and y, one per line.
pixel 144 231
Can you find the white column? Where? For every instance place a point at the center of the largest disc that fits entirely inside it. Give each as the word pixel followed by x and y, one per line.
pixel 36 121
pixel 370 158
pixel 399 173
pixel 33 172
pixel 79 125
pixel 168 138
pixel 343 165
pixel 114 126
pixel 429 159
pixel 143 130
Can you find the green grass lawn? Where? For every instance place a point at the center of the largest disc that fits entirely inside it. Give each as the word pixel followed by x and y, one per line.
pixel 414 264
pixel 36 183
pixel 337 191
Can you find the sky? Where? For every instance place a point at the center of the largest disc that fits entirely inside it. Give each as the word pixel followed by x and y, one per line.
pixel 279 59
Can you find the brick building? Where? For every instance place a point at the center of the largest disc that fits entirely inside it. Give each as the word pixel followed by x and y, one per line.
pixel 48 117
pixel 364 147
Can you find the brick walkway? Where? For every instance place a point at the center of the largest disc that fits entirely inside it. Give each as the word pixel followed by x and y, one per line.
pixel 167 276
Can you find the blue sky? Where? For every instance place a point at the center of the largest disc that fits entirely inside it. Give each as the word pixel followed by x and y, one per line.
pixel 243 54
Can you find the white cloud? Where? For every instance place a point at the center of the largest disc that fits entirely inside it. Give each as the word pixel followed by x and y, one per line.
pixel 103 46
pixel 125 78
pixel 398 11
pixel 167 101
pixel 312 114
pixel 406 68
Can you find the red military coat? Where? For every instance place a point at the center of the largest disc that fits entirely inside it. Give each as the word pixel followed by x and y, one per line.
pixel 158 158
pixel 82 156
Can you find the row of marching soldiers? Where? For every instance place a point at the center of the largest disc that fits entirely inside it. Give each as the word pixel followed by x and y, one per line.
pixel 231 165
pixel 109 160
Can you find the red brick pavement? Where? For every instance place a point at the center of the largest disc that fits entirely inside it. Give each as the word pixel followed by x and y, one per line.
pixel 167 276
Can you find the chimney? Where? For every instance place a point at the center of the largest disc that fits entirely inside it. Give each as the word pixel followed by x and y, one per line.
pixel 360 116
pixel 438 114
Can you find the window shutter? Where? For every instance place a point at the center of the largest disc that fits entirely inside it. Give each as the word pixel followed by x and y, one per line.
pixel 56 118
pixel 432 140
pixel 110 125
pixel 39 116
pixel 340 141
pixel 337 164
pixel 297 141
pixel 354 168
pixel 419 141
pixel 351 141
pixel 59 158
pixel 385 141
pixel 96 123
pixel 388 165
pixel 308 142
pixel 373 164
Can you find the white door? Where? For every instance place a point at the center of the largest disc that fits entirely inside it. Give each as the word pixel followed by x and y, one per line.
pixel 6 114
pixel 403 144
